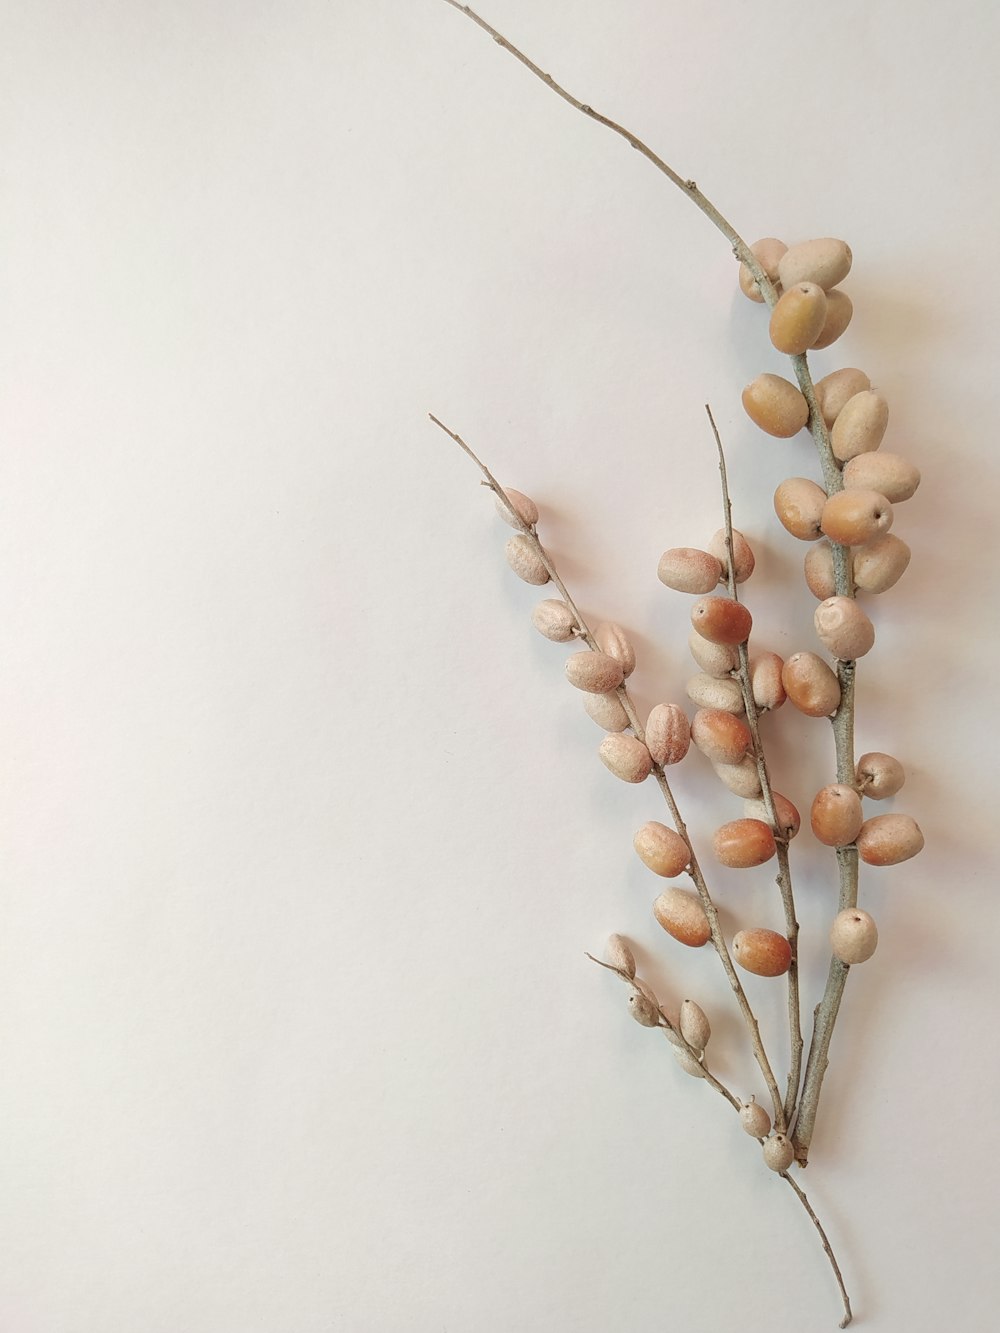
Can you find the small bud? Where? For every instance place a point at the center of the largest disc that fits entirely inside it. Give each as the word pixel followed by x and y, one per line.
pixel 778 1152
pixel 833 391
pixel 879 565
pixel 743 843
pixel 799 502
pixel 767 252
pixel 855 517
pixel 643 1010
pixel 668 734
pixel 620 955
pixel 681 915
pixel 811 685
pixel 843 628
pixel 765 681
pixel 626 757
pixel 524 560
pixel 721 620
pixel 820 578
pixel 720 736
pixel 853 936
pixel 776 406
pixel 885 840
pixel 765 953
pixel 860 425
pixel 688 1063
pixel 614 642
pixel 879 775
pixel 836 815
pixel 554 620
pixel 607 710
pixel 594 672
pixel 798 318
pixel 686 569
pixel 891 475
pixel 755 1120
pixel 661 849
pixel 715 659
pixel 743 556
pixel 724 695
pixel 789 820
pixel 742 779
pixel 825 261
pixel 524 507
pixel 839 312
pixel 694 1025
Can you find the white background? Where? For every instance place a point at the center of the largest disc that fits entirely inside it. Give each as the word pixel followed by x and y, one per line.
pixel 304 834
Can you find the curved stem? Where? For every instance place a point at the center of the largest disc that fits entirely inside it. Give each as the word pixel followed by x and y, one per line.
pixel 827 1247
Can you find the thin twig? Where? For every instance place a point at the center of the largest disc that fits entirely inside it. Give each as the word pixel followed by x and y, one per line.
pixel 827 1247
pixel 694 870
pixel 784 877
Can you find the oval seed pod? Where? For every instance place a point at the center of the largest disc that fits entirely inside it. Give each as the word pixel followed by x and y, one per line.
pixel 860 425
pixel 836 815
pixel 833 390
pixel 720 736
pixel 614 642
pixel 620 955
pixel 661 849
pixel 721 619
pixel 681 915
pixel 853 936
pixel 525 561
pixel 743 843
pixel 825 261
pixel 778 1152
pixel 855 517
pixel 755 1120
pixel 767 252
pixel 524 507
pixel 694 1025
pixel 743 556
pixel 843 628
pixel 648 991
pixel 799 502
pixel 673 1037
pixel 789 820
pixel 687 569
pixel 710 692
pixel 765 681
pixel 626 757
pixel 879 565
pixel 811 685
pixel 594 672
pixel 776 406
pixel 798 318
pixel 820 577
pixel 742 779
pixel 839 312
pixel 643 1010
pixel 668 734
pixel 687 1062
pixel 885 840
pixel 765 953
pixel 879 775
pixel 555 620
pixel 607 710
pixel 891 475
pixel 715 659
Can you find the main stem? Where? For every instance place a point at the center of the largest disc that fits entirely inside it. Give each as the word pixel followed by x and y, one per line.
pixel 826 1012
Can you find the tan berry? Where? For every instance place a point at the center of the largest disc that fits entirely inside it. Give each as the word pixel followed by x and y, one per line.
pixel 755 1120
pixel 694 1025
pixel 763 952
pixel 595 672
pixel 778 1152
pixel 767 252
pixel 607 711
pixel 879 565
pixel 721 620
pixel 743 843
pixel 853 936
pixel 555 620
pixel 720 736
pixel 710 692
pixel 687 569
pixel 798 318
pixel 524 507
pixel 688 1062
pixel 668 734
pixel 661 849
pixel 855 517
pixel 799 502
pixel 836 815
pixel 839 312
pixel 811 685
pixel 860 425
pixel 833 390
pixel 843 628
pixel 820 577
pixel 825 261
pixel 879 775
pixel 715 659
pixel 776 406
pixel 765 681
pixel 743 555
pixel 885 840
pixel 681 915
pixel 788 817
pixel 643 1010
pixel 891 475
pixel 614 642
pixel 626 757
pixel 647 990
pixel 742 779
pixel 524 560
pixel 620 955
